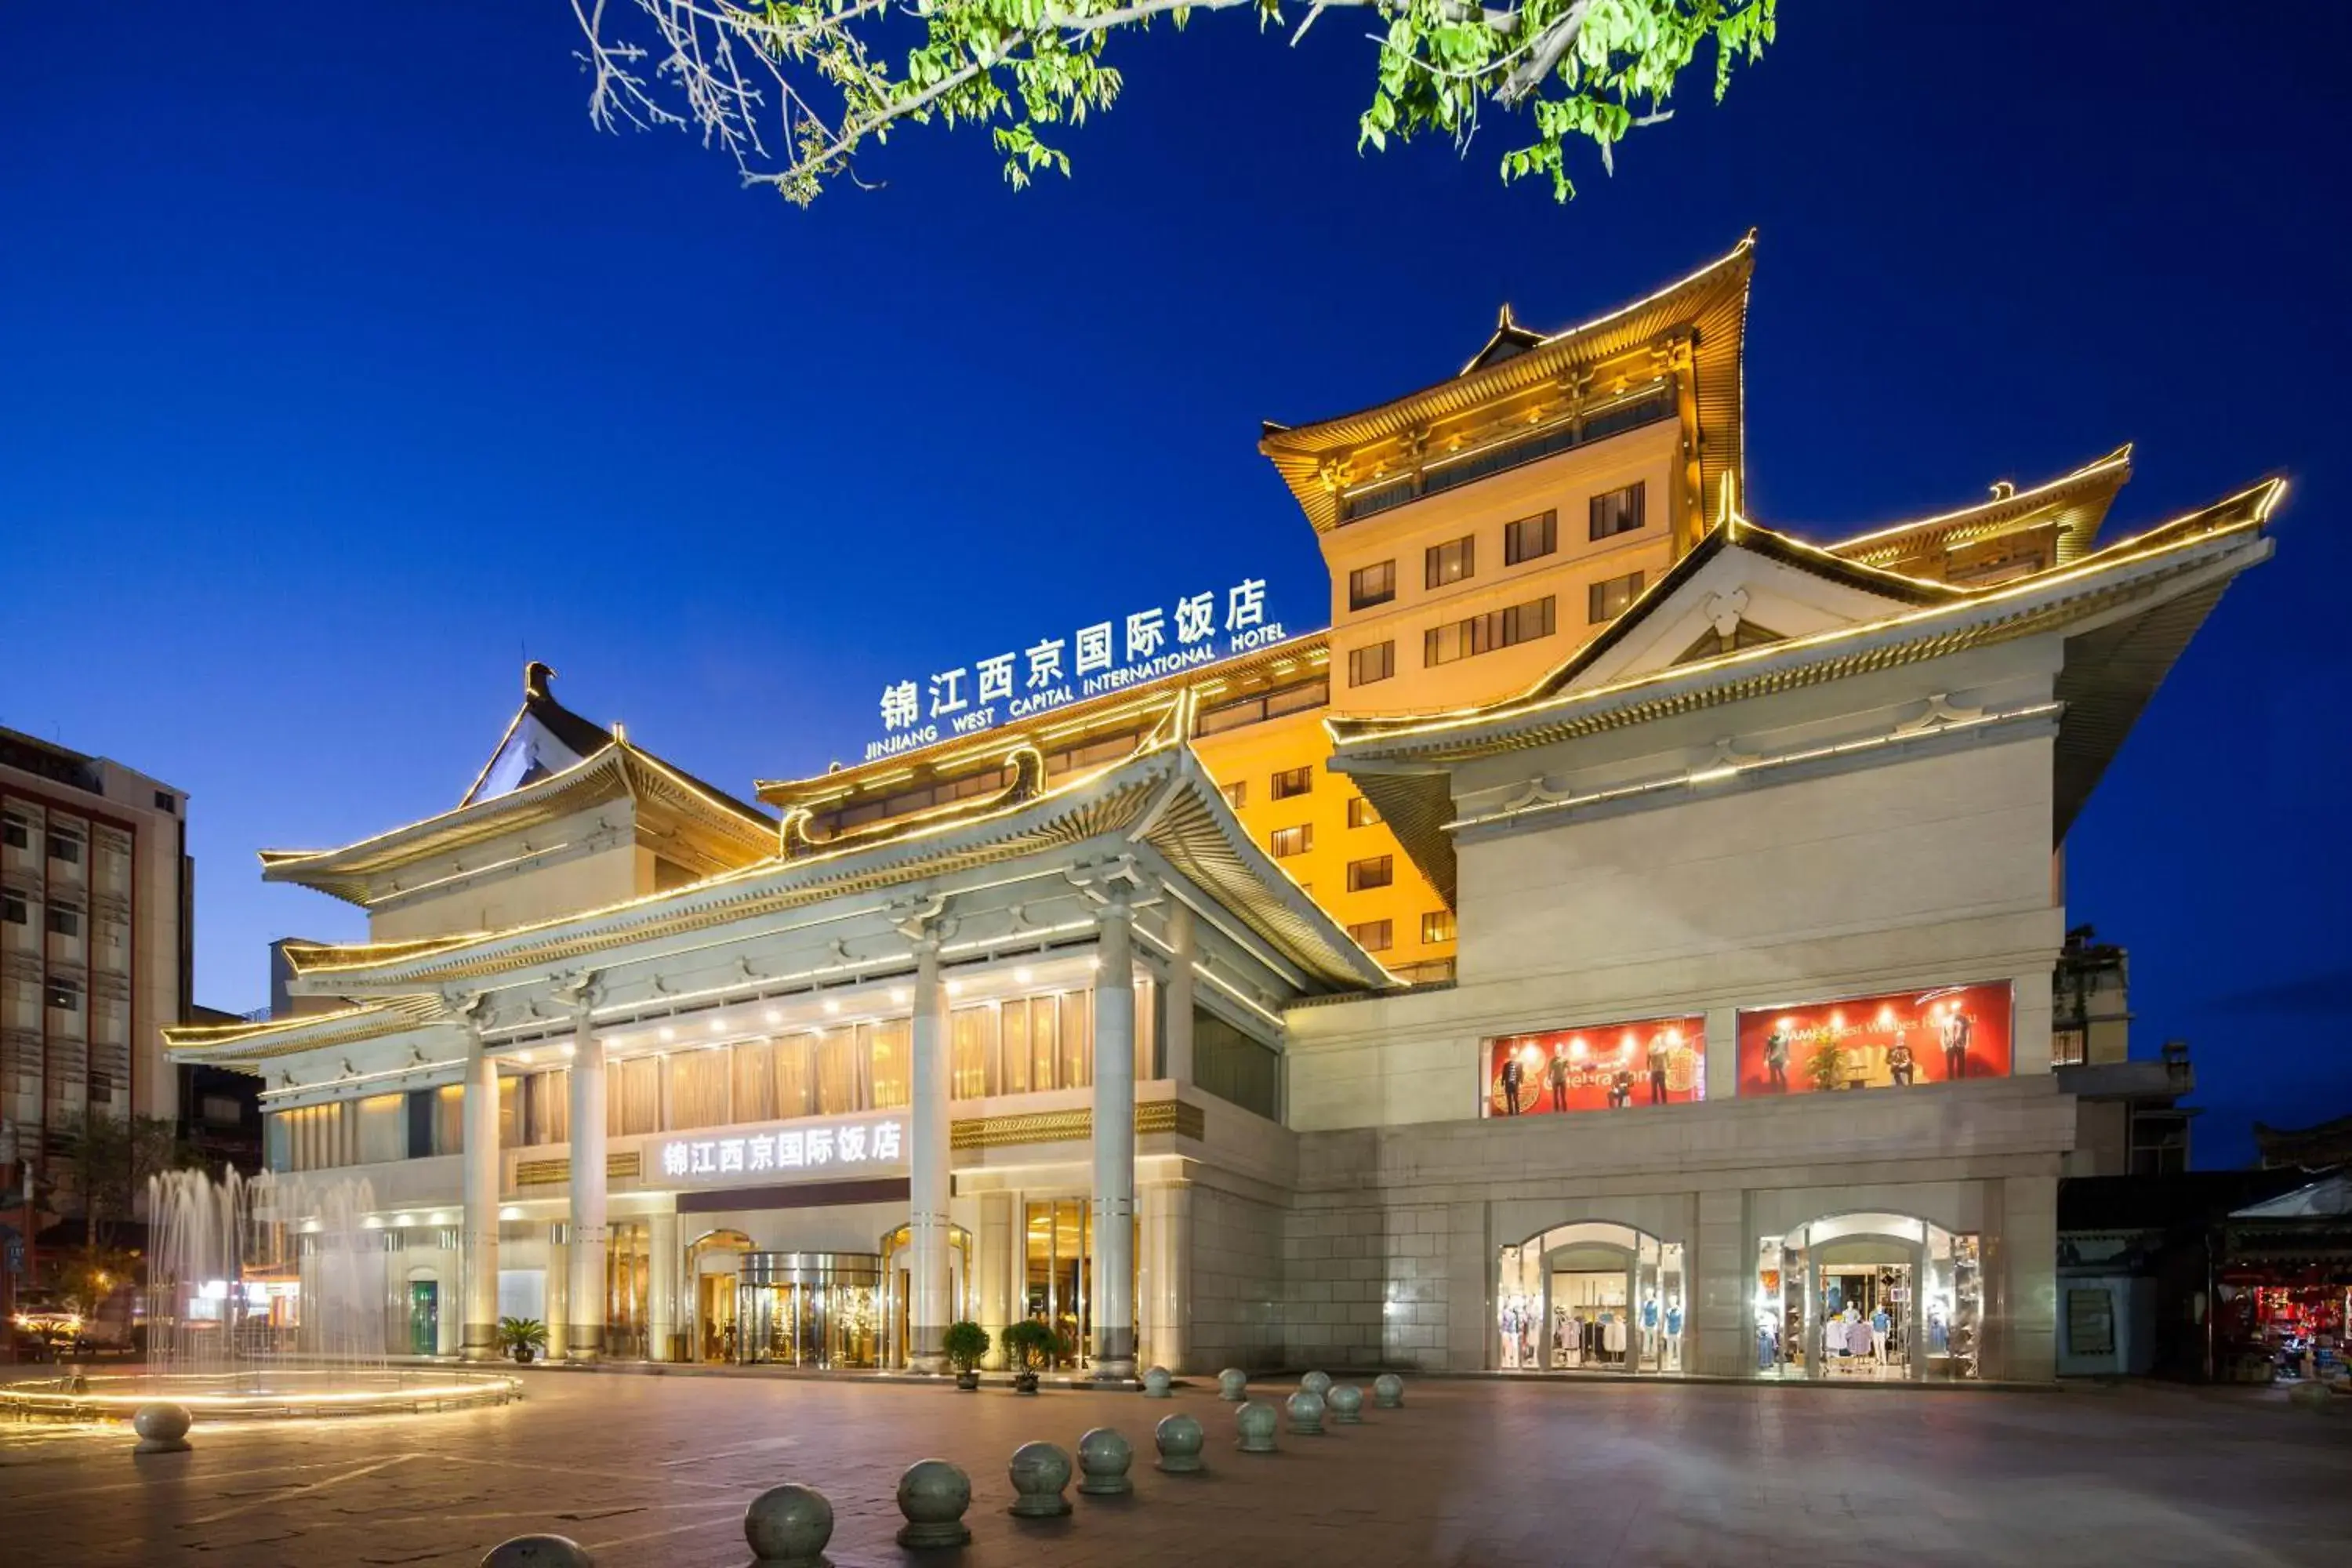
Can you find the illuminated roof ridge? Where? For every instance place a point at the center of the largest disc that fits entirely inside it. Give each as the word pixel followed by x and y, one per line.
pixel 2080 499
pixel 1136 795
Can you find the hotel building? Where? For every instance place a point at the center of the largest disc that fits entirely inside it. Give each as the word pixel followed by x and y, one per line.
pixel 1623 940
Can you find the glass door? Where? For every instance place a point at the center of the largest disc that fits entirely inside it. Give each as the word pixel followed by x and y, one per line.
pixel 424 1317
pixel 1057 1244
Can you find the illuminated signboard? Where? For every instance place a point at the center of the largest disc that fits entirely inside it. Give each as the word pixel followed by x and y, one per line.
pixel 1109 655
pixel 1602 1066
pixel 1877 1042
pixel 794 1151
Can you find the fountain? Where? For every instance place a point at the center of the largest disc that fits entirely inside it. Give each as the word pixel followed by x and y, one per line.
pixel 263 1298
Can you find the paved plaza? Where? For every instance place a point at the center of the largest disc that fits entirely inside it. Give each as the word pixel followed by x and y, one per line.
pixel 656 1470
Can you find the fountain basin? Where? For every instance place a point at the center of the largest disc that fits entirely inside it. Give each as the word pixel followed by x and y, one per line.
pixel 274 1394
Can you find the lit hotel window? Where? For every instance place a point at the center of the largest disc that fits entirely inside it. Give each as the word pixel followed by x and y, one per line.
pixel 1360 813
pixel 1369 586
pixel 1377 872
pixel 1608 600
pixel 1484 634
pixel 1437 926
pixel 1531 538
pixel 1372 936
pixel 1618 512
pixel 1236 794
pixel 1292 782
pixel 1367 665
pixel 1449 562
pixel 1289 841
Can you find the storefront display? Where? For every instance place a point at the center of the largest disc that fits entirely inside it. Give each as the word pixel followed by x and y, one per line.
pixel 1877 1042
pixel 1590 1298
pixel 1603 1067
pixel 1878 1295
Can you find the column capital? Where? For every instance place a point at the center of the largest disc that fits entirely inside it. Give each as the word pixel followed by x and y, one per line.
pixel 1117 882
pixel 580 990
pixel 923 922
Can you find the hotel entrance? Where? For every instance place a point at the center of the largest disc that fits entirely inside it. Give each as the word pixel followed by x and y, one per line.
pixel 713 1267
pixel 809 1308
pixel 1057 1248
pixel 899 1287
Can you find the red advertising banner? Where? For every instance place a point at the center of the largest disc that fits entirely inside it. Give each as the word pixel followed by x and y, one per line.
pixel 1876 1041
pixel 1606 1067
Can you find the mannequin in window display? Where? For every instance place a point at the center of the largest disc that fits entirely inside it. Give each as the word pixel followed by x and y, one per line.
pixel 1649 1328
pixel 1621 1089
pixel 1900 1065
pixel 1673 1357
pixel 1507 1322
pixel 1881 1328
pixel 1660 1053
pixel 1512 1073
pixel 1954 1031
pixel 1776 1059
pixel 1556 1074
pixel 1563 1337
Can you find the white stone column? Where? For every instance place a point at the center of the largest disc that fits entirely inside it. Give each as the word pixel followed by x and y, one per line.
pixel 929 1181
pixel 661 1283
pixel 1176 1028
pixel 992 1300
pixel 478 1338
pixel 584 1299
pixel 558 1291
pixel 1167 1273
pixel 1113 1282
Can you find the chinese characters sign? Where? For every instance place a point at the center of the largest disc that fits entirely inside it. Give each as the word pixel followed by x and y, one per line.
pixel 1108 655
pixel 1608 1067
pixel 1876 1041
pixel 796 1151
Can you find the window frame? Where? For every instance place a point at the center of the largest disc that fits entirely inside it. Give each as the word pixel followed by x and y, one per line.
pixel 1362 930
pixel 1637 493
pixel 1289 784
pixel 1300 835
pixel 1360 597
pixel 1434 555
pixel 1360 873
pixel 1362 813
pixel 1437 926
pixel 1596 592
pixel 1513 555
pixel 1386 648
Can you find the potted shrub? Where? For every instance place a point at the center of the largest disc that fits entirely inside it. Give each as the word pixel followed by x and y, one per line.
pixel 1030 1346
pixel 964 1344
pixel 523 1338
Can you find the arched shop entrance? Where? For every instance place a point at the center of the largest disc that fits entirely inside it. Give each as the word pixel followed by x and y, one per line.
pixel 1591 1297
pixel 1880 1296
pixel 899 1286
pixel 713 1262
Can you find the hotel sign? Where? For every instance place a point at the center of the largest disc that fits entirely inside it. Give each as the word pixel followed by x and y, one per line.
pixel 1109 655
pixel 794 1151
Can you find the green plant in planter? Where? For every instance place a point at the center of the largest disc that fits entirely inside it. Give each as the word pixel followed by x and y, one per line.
pixel 963 1345
pixel 522 1338
pixel 1033 1346
pixel 1826 1066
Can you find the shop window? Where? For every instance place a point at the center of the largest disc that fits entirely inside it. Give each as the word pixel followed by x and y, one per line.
pixel 1369 586
pixel 1236 794
pixel 1048 1042
pixel 1292 782
pixel 1531 538
pixel 1376 871
pixel 1618 512
pixel 1360 813
pixel 1289 841
pixel 1369 665
pixel 1372 936
pixel 1456 561
pixel 971 1072
pixel 891 1045
pixel 1436 926
pixel 1608 600
pixel 65 847
pixel 1896 1041
pixel 64 921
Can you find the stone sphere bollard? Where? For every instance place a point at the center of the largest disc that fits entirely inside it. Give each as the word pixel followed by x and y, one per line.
pixel 1388 1391
pixel 163 1428
pixel 1156 1383
pixel 1257 1420
pixel 1306 1414
pixel 1317 1384
pixel 1179 1437
pixel 788 1527
pixel 1104 1459
pixel 1347 1404
pixel 539 1552
pixel 1040 1471
pixel 1233 1385
pixel 933 1494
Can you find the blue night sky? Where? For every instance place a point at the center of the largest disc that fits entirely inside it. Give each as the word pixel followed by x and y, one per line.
pixel 346 366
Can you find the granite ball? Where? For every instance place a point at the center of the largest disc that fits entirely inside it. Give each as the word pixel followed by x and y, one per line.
pixel 1156 1383
pixel 1104 1458
pixel 1233 1384
pixel 1257 1421
pixel 539 1552
pixel 1040 1471
pixel 1388 1391
pixel 1179 1438
pixel 162 1427
pixel 1317 1384
pixel 789 1526
pixel 1306 1414
pixel 933 1494
pixel 1346 1403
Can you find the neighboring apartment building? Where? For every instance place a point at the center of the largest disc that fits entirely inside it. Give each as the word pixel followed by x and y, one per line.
pixel 96 948
pixel 2129 1121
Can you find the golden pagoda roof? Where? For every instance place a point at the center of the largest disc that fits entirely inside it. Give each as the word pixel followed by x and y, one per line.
pixel 2160 586
pixel 2075 502
pixel 246 1043
pixel 1161 797
pixel 1709 308
pixel 608 767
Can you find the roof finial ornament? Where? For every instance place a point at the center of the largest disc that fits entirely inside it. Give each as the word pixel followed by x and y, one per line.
pixel 2003 489
pixel 1504 320
pixel 535 677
